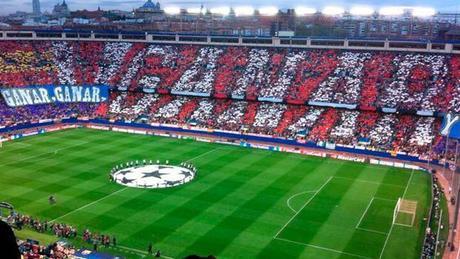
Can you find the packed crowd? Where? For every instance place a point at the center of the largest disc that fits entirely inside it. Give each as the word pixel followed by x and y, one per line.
pixel 344 84
pixel 417 80
pixel 60 230
pixel 447 150
pixel 112 59
pixel 368 80
pixel 31 249
pixel 404 133
pixel 269 87
pixel 199 77
pixel 432 242
pixel 12 116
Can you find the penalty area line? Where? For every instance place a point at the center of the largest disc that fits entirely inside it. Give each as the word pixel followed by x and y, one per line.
pixel 364 213
pixel 89 204
pixel 383 199
pixel 288 202
pixel 369 182
pixel 392 225
pixel 301 208
pixel 372 231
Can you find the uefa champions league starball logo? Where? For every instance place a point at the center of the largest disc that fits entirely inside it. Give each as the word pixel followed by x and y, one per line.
pixel 152 175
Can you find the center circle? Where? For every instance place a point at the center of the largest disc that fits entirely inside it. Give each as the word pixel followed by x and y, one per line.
pixel 152 176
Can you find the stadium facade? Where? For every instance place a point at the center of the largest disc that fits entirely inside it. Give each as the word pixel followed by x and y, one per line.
pixel 448 47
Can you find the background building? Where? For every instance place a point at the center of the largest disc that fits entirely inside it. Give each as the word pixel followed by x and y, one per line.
pixel 61 10
pixel 36 7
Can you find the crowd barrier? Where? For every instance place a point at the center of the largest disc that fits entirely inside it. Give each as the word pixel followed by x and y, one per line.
pixel 334 105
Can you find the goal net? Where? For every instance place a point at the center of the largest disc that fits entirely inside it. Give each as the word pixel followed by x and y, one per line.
pixel 404 212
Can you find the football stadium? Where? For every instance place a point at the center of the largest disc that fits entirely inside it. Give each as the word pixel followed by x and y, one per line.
pixel 184 144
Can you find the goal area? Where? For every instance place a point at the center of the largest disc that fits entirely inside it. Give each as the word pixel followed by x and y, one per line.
pixel 405 212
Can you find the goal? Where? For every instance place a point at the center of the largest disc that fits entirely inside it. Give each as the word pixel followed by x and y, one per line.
pixel 404 212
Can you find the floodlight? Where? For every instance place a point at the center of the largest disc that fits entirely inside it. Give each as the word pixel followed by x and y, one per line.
pixel 391 11
pixel 223 10
pixel 268 11
pixel 172 10
pixel 361 11
pixel 423 11
pixel 301 10
pixel 333 10
pixel 244 11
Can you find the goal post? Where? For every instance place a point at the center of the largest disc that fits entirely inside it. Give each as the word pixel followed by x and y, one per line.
pixel 405 212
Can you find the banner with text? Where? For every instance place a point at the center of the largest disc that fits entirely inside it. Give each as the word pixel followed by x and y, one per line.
pixel 15 97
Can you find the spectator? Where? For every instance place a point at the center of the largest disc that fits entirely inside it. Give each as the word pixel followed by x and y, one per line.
pixel 8 246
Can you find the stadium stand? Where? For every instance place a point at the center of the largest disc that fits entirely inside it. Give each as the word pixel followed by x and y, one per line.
pixel 289 93
pixel 371 80
pixel 60 249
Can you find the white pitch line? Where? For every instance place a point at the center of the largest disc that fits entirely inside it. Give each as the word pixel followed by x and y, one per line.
pixel 201 155
pixel 113 193
pixel 373 231
pixel 458 252
pixel 306 203
pixel 89 204
pixel 383 199
pixel 392 225
pixel 288 202
pixel 403 225
pixel 23 144
pixel 365 181
pixel 322 248
pixel 140 252
pixel 132 250
pixel 364 213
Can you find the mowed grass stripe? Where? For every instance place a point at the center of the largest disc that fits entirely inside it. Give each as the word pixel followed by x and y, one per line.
pixel 347 215
pixel 192 229
pixel 59 172
pixel 403 196
pixel 143 209
pixel 273 248
pixel 39 146
pixel 135 199
pixel 194 207
pixel 258 234
pixel 249 207
pixel 249 212
pixel 402 242
pixel 81 201
pixel 331 214
pixel 328 222
pixel 46 150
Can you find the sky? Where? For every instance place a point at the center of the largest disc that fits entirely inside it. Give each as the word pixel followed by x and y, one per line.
pixel 10 6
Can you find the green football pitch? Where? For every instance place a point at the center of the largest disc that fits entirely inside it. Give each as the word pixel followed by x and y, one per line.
pixel 244 203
